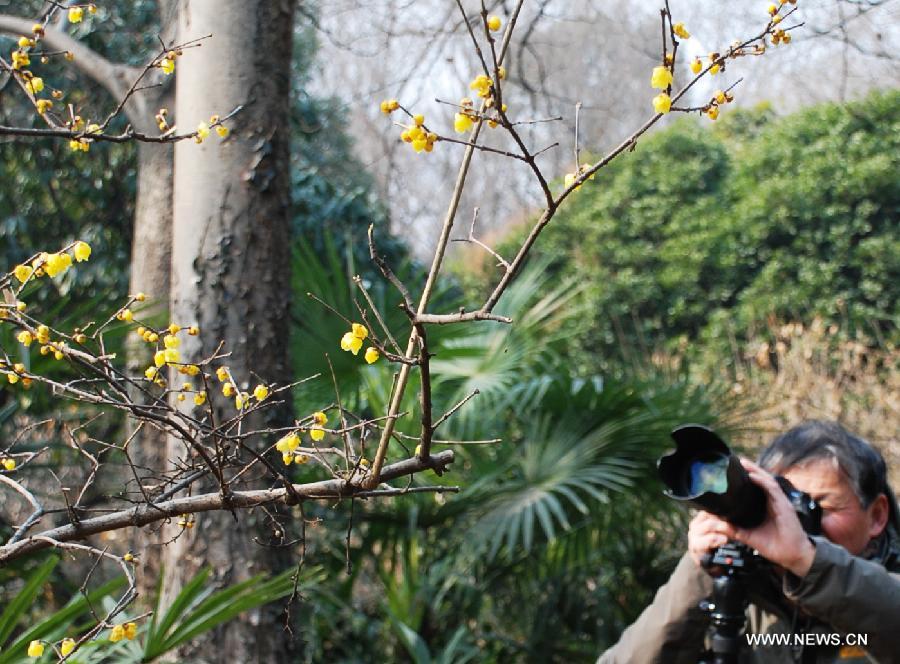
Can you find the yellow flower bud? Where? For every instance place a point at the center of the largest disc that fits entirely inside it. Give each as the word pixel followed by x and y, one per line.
pixel 66 647
pixel 372 355
pixel 260 392
pixel 494 23
pixel 681 31
pixel 662 103
pixel 35 649
pixel 661 78
pixel 9 464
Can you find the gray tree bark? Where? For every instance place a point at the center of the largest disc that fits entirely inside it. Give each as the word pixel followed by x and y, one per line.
pixel 231 269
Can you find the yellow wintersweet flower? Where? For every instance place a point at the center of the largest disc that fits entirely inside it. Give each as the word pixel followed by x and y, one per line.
pixel 288 443
pixel 82 251
pixel 317 433
pixel 167 65
pixel 23 272
pixel 359 331
pixel 200 398
pixel 320 418
pixel 372 354
pixel 34 84
pixel 222 131
pixel 172 355
pixel 12 378
pixel 66 647
pixel 25 42
pixel 351 342
pixel 712 112
pixel 222 374
pixel 696 65
pixel 25 338
pixel 494 23
pixel 43 105
pixel 483 85
pixel 43 334
pixel 150 373
pixel 35 649
pixel 192 369
pixel 681 31
pixel 227 389
pixel 287 458
pixel 462 123
pixel 661 78
pixel 9 464
pixel 57 264
pixel 130 629
pixel 171 341
pixel 569 180
pixel 76 14
pixel 260 392
pixel 662 103
pixel 159 358
pixel 202 132
pixel 715 69
pixel 300 459
pixel 117 633
pixel 20 59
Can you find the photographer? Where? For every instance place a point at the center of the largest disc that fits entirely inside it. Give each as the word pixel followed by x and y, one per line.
pixel 846 582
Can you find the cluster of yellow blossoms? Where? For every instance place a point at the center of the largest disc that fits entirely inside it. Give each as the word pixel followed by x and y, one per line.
pixel 353 341
pixel 125 631
pixel 76 12
pixel 663 76
pixel 483 85
pixel 8 464
pixel 203 129
pixel 241 399
pixel 52 264
pixel 67 645
pixel 779 36
pixel 417 134
pixel 720 98
pixel 21 58
pixel 168 355
pixel 288 445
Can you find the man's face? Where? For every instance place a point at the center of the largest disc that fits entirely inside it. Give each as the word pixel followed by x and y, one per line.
pixel 844 520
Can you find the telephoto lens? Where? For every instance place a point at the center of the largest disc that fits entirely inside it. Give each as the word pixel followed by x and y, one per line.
pixel 703 472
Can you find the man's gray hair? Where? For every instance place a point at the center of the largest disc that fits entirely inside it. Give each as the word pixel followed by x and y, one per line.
pixel 817 439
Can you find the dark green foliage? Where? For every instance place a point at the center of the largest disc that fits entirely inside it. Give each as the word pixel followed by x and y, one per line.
pixel 703 234
pixel 560 534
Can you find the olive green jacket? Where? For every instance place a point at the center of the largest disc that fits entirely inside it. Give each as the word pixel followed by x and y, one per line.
pixel 841 594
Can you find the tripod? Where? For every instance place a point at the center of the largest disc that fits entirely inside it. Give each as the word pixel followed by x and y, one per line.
pixel 729 565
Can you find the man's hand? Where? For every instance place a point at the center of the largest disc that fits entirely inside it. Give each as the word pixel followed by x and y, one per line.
pixel 780 539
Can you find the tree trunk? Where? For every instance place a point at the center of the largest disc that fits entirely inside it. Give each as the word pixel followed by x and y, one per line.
pixel 231 270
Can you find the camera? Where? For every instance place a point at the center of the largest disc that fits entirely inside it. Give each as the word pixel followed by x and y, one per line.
pixel 704 473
